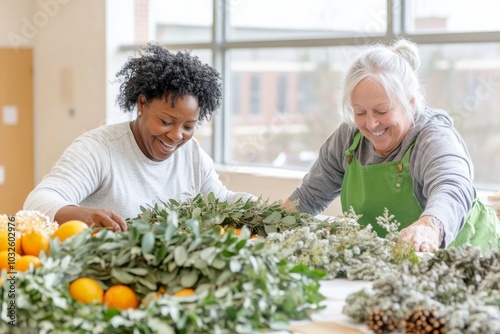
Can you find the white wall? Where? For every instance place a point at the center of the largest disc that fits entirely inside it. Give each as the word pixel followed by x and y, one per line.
pixel 119 31
pixel 274 185
pixel 69 79
pixel 68 41
pixel 13 15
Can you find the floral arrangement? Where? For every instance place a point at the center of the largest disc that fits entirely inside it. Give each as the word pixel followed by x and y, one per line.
pixel 343 248
pixel 244 284
pixel 240 286
pixel 27 221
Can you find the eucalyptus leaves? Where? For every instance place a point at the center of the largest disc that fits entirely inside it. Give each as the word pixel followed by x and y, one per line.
pixel 241 286
pixel 246 285
pixel 260 217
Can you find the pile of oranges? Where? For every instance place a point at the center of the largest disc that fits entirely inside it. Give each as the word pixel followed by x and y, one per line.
pixel 87 290
pixel 19 252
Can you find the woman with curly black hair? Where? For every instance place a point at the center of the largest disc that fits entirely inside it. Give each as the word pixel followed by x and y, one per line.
pixel 108 173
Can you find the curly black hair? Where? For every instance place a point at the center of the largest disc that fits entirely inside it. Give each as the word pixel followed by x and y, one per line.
pixel 158 73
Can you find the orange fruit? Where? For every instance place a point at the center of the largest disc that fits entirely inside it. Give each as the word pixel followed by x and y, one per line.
pixel 86 290
pixel 7 240
pixel 237 231
pixel 8 260
pixel 23 263
pixel 184 292
pixel 35 242
pixel 121 297
pixel 69 229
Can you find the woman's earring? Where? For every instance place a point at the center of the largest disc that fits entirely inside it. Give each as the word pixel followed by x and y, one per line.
pixel 139 113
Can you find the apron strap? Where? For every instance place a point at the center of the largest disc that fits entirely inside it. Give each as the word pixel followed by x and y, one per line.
pixel 349 153
pixel 405 162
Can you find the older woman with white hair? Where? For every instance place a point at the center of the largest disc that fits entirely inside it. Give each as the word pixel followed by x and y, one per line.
pixel 395 153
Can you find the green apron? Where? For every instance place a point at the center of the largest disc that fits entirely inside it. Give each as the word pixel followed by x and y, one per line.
pixel 369 190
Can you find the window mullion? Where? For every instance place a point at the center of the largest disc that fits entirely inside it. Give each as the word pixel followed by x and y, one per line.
pixel 218 38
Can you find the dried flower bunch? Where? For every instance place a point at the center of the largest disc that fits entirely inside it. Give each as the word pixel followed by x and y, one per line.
pixel 343 248
pixel 240 286
pixel 458 287
pixel 27 221
pixel 340 246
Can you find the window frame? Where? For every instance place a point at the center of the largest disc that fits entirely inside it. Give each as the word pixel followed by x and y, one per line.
pixel 220 47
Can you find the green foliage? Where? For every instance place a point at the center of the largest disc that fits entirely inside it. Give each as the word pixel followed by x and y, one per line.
pixel 241 286
pixel 260 217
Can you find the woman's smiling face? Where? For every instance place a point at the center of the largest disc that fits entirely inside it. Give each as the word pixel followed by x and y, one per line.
pixel 382 121
pixel 162 129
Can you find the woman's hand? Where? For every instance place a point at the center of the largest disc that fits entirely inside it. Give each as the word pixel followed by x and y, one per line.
pixel 288 205
pixel 93 217
pixel 423 234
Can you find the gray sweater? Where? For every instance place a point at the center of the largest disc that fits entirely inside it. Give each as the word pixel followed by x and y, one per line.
pixel 105 168
pixel 440 167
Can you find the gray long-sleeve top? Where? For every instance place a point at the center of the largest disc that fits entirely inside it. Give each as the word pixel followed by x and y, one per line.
pixel 105 168
pixel 440 167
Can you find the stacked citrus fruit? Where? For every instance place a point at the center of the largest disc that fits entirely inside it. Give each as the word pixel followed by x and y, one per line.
pixel 25 238
pixel 87 290
pixel 20 252
pixel 29 236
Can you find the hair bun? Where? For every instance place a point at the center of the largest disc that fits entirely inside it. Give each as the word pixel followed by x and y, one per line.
pixel 409 51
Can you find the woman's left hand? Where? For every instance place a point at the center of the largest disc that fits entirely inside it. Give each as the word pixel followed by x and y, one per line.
pixel 423 234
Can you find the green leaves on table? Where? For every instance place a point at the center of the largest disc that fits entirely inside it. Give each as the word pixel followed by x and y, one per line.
pixel 241 286
pixel 261 217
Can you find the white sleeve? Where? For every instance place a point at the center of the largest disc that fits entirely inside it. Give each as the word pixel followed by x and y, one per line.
pixel 76 175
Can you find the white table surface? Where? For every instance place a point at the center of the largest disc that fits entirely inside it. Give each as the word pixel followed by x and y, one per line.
pixel 336 291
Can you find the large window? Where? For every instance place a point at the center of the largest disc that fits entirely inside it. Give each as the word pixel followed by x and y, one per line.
pixel 282 62
pixel 445 16
pixel 292 19
pixel 464 79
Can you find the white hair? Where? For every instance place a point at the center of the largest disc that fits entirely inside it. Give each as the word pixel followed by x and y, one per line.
pixel 394 67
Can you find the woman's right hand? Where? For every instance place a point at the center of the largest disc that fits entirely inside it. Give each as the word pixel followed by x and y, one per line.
pixel 423 234
pixel 93 217
pixel 288 205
